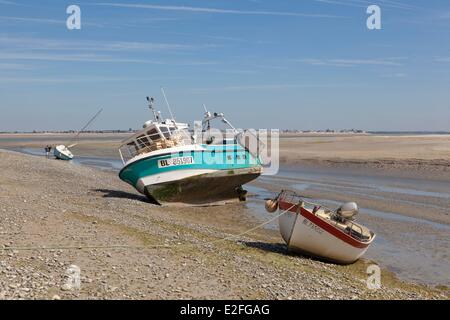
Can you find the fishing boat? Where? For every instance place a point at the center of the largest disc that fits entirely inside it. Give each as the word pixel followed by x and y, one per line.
pixel 62 152
pixel 318 231
pixel 169 164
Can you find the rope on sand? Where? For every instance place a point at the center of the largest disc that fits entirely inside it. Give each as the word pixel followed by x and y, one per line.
pixel 82 247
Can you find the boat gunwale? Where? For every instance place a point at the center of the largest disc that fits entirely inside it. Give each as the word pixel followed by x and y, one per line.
pixel 326 226
pixel 150 155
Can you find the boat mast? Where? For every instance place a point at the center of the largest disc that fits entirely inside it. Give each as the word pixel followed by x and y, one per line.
pixel 72 142
pixel 168 107
pixel 156 114
pixel 207 117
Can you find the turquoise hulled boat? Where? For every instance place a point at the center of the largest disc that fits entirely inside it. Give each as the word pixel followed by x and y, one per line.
pixel 165 162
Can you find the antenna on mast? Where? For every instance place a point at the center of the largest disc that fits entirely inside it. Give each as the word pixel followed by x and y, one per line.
pixel 156 114
pixel 168 105
pixel 207 117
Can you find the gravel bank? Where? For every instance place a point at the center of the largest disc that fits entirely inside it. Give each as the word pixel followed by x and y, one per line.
pixel 128 248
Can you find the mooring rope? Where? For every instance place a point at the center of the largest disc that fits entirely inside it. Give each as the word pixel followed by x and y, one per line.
pixel 84 247
pixel 254 228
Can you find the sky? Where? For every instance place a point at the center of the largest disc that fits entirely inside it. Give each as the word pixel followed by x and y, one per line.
pixel 286 64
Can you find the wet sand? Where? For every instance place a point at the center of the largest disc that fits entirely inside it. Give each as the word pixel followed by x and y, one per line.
pixel 397 155
pixel 403 155
pixel 415 246
pixel 407 205
pixel 90 144
pixel 56 214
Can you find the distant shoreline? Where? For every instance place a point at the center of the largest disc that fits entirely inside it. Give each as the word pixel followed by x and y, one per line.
pixel 293 132
pixel 66 132
pixel 409 133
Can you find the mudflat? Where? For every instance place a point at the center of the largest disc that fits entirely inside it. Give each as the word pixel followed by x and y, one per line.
pixel 55 214
pixel 424 155
pixel 401 184
pixel 89 144
pixel 413 154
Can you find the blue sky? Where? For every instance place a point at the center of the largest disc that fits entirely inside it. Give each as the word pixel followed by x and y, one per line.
pixel 306 64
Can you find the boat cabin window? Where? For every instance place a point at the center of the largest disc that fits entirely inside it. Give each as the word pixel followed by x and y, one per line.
pixel 149 137
pixel 152 134
pixel 214 141
pixel 229 141
pixel 143 141
pixel 132 147
pixel 165 132
pixel 153 139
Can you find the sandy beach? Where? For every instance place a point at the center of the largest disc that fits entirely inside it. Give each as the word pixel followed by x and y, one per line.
pixel 56 214
pixel 90 144
pixel 404 155
pixel 426 155
pixel 84 215
pixel 129 167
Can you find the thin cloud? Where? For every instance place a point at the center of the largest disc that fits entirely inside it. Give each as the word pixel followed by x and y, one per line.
pixel 348 3
pixel 213 37
pixel 364 4
pixel 400 5
pixel 27 43
pixel 445 59
pixel 444 16
pixel 72 58
pixel 235 71
pixel 135 23
pixel 38 20
pixel 14 66
pixel 269 87
pixel 352 62
pixel 44 21
pixel 394 75
pixel 214 10
pixel 94 58
pixel 7 2
pixel 82 79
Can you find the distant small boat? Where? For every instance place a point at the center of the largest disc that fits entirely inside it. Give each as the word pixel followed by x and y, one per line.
pixel 317 231
pixel 62 152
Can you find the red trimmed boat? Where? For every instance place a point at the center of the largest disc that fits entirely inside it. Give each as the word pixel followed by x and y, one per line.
pixel 315 230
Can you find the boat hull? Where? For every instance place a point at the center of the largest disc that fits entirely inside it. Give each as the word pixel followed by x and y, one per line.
pixel 308 234
pixel 214 188
pixel 191 177
pixel 62 153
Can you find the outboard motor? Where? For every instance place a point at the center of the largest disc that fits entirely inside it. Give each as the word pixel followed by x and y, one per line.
pixel 271 205
pixel 347 211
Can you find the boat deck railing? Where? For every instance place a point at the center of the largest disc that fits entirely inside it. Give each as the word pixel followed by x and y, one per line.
pixel 148 143
pixel 294 198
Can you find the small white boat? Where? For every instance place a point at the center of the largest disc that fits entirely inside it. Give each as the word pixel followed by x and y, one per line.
pixel 317 231
pixel 61 152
